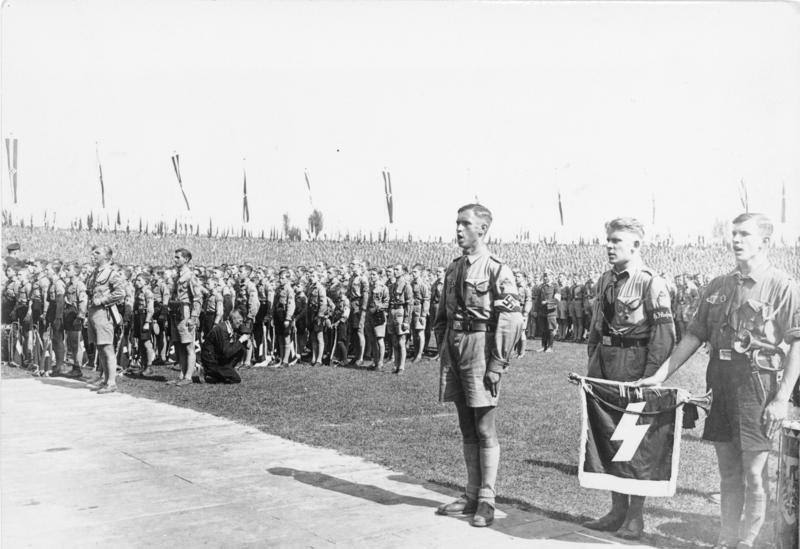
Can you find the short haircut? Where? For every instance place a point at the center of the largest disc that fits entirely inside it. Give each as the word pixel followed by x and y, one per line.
pixel 235 313
pixel 480 211
pixel 144 276
pixel 187 255
pixel 626 224
pixel 56 265
pixel 763 222
pixel 107 251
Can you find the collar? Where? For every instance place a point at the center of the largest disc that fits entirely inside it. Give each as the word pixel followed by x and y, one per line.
pixel 228 328
pixel 758 272
pixel 480 252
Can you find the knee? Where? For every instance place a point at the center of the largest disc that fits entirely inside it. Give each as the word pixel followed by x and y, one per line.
pixel 487 436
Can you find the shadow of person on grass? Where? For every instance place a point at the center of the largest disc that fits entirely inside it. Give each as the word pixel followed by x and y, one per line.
pixel 364 491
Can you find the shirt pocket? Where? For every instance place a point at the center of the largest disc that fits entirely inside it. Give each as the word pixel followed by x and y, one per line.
pixel 477 293
pixel 631 310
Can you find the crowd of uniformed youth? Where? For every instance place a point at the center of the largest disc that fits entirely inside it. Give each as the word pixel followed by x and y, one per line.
pixel 323 314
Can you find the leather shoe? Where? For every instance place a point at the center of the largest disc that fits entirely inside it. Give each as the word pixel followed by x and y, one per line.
pixel 461 506
pixel 484 515
pixel 607 523
pixel 107 389
pixel 631 531
pixel 147 372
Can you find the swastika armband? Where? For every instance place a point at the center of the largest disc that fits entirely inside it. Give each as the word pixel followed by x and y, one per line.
pixel 507 303
pixel 662 315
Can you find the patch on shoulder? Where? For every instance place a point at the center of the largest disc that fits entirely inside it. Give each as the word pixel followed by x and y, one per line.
pixel 663 300
pixel 717 297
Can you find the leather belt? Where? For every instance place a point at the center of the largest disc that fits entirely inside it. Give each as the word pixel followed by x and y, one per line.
pixel 471 325
pixel 625 342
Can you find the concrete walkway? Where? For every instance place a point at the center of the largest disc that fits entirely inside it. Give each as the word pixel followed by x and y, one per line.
pixel 86 470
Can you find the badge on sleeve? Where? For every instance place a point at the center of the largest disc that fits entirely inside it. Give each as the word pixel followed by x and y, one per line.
pixel 725 354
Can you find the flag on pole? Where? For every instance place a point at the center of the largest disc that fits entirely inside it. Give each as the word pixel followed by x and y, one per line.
pixel 308 186
pixel 387 189
pixel 245 207
pixel 783 204
pixel 654 208
pixel 11 160
pixel 560 209
pixel 743 196
pixel 100 169
pixel 177 165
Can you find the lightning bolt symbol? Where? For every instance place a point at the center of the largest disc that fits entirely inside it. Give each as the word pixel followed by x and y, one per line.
pixel 629 433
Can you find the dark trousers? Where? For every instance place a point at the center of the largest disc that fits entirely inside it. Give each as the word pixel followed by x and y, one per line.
pixel 224 373
pixel 545 332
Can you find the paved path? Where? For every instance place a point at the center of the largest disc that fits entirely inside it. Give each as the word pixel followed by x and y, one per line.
pixel 83 470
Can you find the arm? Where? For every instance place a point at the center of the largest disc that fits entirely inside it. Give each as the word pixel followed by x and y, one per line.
pixel 61 290
pixel 83 301
pixel 253 303
pixel 508 331
pixel 149 302
pixel 687 346
pixel 426 299
pixel 662 324
pixel 219 308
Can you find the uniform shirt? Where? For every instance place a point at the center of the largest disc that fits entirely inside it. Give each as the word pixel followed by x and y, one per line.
pixel 546 303
pixel 40 287
pixel 317 301
pixel 283 306
pixel 634 304
pixel 358 293
pixel 401 296
pixel 577 292
pixel 10 293
pixel 105 287
pixel 185 290
pixel 566 293
pixel 247 299
pixel 422 297
pixel 765 302
pixel 341 309
pixel 481 287
pixel 300 304
pixel 378 298
pixel 143 303
pixel 436 296
pixel 525 299
pixel 75 296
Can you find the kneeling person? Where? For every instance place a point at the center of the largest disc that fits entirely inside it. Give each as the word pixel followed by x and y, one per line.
pixel 222 349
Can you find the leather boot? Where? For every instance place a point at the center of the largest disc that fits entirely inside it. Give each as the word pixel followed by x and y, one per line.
pixel 614 518
pixel 633 526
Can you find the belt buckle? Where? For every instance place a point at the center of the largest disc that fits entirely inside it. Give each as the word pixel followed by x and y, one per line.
pixel 725 354
pixel 607 341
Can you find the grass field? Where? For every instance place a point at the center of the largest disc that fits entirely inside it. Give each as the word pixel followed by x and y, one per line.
pixel 396 421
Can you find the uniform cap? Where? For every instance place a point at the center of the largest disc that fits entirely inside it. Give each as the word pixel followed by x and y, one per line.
pixel 13 247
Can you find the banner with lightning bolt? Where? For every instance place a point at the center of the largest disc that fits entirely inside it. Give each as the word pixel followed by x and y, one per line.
pixel 630 437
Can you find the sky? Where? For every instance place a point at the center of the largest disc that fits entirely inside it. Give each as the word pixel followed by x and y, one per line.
pixel 614 105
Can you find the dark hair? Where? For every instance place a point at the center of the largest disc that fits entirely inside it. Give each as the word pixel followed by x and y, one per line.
pixel 185 253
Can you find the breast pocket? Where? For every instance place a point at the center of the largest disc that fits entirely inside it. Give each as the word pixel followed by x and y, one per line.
pixel 477 294
pixel 630 310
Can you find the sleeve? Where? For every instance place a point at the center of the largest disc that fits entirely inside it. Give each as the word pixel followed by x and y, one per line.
pixel 507 310
pixel 219 308
pixel 528 302
pixel 426 299
pixel 83 300
pixel 345 308
pixel 197 297
pixel 787 313
pixel 149 302
pixel 322 305
pixel 440 318
pixel 61 291
pixel 594 336
pixel 116 286
pixel 364 294
pixel 290 305
pixel 253 303
pixel 662 324
pixel 408 302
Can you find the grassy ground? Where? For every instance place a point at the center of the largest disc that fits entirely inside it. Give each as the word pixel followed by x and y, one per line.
pixel 396 421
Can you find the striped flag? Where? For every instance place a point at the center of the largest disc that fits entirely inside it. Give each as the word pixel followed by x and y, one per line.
pixel 560 209
pixel 654 208
pixel 100 170
pixel 743 196
pixel 783 204
pixel 387 189
pixel 308 186
pixel 245 207
pixel 176 164
pixel 11 160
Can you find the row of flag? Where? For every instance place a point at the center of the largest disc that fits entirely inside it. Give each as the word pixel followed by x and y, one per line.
pixel 11 146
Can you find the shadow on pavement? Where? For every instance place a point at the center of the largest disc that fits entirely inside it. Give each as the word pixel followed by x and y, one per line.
pixel 364 491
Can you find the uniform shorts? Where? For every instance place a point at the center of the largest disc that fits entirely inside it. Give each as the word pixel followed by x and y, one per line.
pixel 738 403
pixel 576 309
pixel 341 332
pixel 317 324
pixel 619 363
pixel 100 326
pixel 418 321
pixel 137 331
pixel 355 321
pixel 379 329
pixel 396 322
pixel 179 330
pixel 562 309
pixel 464 357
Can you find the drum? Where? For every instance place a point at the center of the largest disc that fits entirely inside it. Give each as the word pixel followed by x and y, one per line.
pixel 786 523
